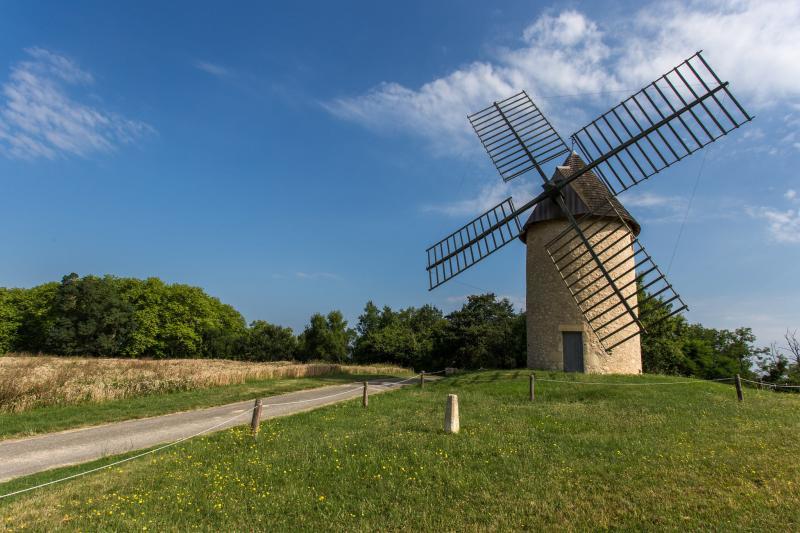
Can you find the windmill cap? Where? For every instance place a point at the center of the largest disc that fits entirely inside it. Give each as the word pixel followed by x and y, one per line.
pixel 585 194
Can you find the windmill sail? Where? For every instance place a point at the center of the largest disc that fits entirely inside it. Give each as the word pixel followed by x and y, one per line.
pixel 517 136
pixel 472 242
pixel 684 110
pixel 605 267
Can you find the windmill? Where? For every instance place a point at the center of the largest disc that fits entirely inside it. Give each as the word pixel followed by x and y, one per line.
pixel 589 243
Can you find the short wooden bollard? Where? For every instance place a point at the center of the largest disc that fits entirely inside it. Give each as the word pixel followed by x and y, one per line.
pixel 451 424
pixel 365 397
pixel 532 387
pixel 256 420
pixel 421 379
pixel 739 388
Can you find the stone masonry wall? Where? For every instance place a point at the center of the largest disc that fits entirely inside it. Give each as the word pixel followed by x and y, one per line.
pixel 551 310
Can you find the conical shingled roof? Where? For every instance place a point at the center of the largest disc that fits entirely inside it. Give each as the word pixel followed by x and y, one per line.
pixel 585 194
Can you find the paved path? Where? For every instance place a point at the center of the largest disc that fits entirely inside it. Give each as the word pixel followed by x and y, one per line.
pixel 22 457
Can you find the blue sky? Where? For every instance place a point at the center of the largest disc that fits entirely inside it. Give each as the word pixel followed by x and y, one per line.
pixel 300 158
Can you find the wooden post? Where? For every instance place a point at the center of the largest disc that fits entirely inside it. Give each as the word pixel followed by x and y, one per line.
pixel 256 420
pixel 739 388
pixel 365 397
pixel 451 424
pixel 532 387
pixel 421 379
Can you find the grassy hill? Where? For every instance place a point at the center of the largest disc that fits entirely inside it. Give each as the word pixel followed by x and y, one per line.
pixel 683 456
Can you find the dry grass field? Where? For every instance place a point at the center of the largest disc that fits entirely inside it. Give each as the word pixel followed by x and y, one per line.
pixel 27 382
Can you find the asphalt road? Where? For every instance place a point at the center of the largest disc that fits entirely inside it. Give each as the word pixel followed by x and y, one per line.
pixel 21 457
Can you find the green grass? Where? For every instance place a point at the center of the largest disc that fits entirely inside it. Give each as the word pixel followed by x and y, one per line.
pixel 56 418
pixel 580 457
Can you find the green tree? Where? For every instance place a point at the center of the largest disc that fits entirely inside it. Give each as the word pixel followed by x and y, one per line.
pixel 662 343
pixel 147 298
pixel 404 337
pixel 326 337
pixel 774 366
pixel 481 334
pixel 268 342
pixel 34 308
pixel 91 317
pixel 10 318
pixel 671 346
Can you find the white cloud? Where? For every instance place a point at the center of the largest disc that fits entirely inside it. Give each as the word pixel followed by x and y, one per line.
pixel 751 42
pixel 317 275
pixel 489 196
pixel 652 208
pixel 437 109
pixel 212 68
pixel 38 118
pixel 648 199
pixel 783 226
pixel 791 195
pixel 517 301
pixel 657 208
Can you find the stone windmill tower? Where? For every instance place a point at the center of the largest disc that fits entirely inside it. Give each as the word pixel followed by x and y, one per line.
pixel 559 337
pixel 579 235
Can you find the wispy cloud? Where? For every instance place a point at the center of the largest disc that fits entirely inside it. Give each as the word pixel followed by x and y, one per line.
pixel 655 208
pixel 317 275
pixel 557 53
pixel 305 276
pixel 39 119
pixel 568 54
pixel 783 225
pixel 648 199
pixel 489 196
pixel 651 207
pixel 212 68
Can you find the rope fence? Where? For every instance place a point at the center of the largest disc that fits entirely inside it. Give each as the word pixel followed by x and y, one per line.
pixel 384 387
pixel 771 385
pixel 691 381
pixel 131 458
pixel 182 439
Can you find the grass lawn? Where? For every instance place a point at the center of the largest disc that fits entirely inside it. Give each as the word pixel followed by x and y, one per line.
pixel 59 417
pixel 580 457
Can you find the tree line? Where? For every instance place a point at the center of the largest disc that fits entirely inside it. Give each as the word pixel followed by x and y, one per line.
pixel 128 317
pixel 674 346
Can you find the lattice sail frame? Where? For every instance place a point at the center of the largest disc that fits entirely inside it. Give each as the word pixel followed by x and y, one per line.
pixel 517 136
pixel 630 270
pixel 684 110
pixel 472 242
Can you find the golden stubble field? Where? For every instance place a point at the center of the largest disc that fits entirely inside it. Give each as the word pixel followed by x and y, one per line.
pixel 36 381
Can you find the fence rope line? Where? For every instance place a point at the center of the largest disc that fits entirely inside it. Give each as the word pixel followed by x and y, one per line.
pixel 115 463
pixel 772 385
pixel 311 399
pixel 538 379
pixel 691 381
pixel 395 384
pixel 384 386
pixel 168 445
